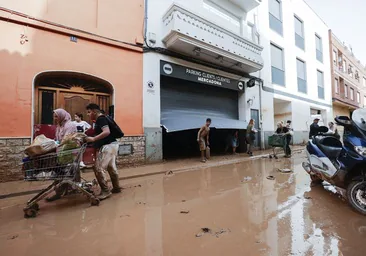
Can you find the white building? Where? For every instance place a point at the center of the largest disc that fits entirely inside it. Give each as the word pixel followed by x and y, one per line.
pixel 296 72
pixel 201 52
pixel 201 55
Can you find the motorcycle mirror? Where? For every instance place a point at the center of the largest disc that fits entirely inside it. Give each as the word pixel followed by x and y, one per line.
pixel 343 120
pixel 323 129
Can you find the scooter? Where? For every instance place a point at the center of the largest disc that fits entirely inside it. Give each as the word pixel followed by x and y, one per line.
pixel 342 165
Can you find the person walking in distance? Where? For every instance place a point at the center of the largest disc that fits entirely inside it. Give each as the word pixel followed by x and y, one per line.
pixel 203 139
pixel 107 149
pixel 250 136
pixel 314 128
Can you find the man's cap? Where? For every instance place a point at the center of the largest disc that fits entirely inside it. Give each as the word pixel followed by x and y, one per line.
pixel 316 119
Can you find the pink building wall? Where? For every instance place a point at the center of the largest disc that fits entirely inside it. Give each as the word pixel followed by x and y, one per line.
pixel 49 48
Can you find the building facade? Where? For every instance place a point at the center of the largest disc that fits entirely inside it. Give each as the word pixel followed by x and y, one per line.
pixel 296 72
pixel 348 78
pixel 199 57
pixel 51 60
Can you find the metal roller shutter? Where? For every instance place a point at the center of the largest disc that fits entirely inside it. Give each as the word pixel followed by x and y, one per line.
pixel 186 105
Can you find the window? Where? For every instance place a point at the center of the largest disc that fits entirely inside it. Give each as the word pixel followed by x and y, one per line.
pixel 320 78
pixel 344 66
pixel 275 16
pixel 299 33
pixel 319 48
pixel 350 70
pixel 346 91
pixel 228 20
pixel 301 76
pixel 364 82
pixel 357 76
pixel 277 63
pixel 336 85
pixel 352 92
pixel 364 101
pixel 358 97
pixel 335 57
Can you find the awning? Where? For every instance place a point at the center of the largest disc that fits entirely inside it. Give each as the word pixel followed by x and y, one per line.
pixel 182 123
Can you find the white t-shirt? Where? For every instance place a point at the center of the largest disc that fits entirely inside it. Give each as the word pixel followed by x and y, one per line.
pixel 82 126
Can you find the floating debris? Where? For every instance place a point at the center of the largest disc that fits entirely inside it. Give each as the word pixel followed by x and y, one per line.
pixel 271 177
pixel 245 179
pixel 13 237
pixel 285 170
pixel 169 173
pixel 184 212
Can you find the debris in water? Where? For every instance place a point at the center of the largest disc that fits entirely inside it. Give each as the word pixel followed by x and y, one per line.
pixel 285 170
pixel 169 173
pixel 307 197
pixel 183 201
pixel 13 237
pixel 245 179
pixel 206 230
pixel 142 203
pixel 222 231
pixel 126 215
pixel 184 212
pixel 271 177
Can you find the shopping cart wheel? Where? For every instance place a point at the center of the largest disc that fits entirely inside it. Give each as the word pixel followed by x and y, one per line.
pixel 270 156
pixel 35 207
pixel 94 201
pixel 30 213
pixel 276 157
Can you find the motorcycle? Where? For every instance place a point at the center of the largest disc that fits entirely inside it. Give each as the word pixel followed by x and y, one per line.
pixel 342 165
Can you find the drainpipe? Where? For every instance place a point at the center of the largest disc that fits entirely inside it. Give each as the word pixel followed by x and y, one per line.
pixel 260 93
pixel 260 111
pixel 145 21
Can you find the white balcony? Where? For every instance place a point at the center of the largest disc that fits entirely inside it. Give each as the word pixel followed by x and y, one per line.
pixel 247 5
pixel 187 33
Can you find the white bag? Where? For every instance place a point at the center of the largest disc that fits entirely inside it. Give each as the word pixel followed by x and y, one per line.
pixel 41 145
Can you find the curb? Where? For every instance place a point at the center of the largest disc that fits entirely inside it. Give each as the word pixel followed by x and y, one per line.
pixel 177 170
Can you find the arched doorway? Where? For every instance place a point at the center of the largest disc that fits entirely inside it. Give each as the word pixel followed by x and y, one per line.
pixel 71 91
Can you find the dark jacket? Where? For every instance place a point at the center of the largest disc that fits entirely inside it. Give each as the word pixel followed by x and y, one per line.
pixel 314 130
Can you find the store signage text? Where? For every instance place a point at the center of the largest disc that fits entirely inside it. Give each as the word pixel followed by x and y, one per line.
pixel 194 75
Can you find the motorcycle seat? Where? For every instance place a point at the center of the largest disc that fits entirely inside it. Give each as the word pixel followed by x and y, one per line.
pixel 330 146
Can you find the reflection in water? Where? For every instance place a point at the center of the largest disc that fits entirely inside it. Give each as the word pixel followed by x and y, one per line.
pixel 265 217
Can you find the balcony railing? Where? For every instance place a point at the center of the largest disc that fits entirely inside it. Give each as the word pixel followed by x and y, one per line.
pixel 185 30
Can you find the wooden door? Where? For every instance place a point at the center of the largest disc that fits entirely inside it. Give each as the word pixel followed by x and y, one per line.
pixel 76 103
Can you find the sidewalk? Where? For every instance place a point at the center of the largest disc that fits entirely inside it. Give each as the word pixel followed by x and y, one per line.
pixel 18 188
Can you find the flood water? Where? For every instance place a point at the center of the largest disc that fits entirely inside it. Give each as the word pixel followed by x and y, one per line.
pixel 226 210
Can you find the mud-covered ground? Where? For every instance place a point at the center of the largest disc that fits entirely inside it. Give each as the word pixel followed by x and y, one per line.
pixel 227 210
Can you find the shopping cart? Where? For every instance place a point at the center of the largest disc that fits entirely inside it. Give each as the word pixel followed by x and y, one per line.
pixel 61 167
pixel 277 141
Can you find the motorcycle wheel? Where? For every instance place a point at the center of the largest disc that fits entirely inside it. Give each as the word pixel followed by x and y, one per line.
pixel 356 195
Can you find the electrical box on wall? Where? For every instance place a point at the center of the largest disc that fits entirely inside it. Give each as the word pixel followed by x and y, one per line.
pixel 152 38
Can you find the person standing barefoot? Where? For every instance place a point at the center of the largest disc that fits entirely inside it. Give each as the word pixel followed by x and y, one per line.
pixel 203 139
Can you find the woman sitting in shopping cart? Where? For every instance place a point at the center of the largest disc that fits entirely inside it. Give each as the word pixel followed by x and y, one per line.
pixel 65 126
pixel 283 130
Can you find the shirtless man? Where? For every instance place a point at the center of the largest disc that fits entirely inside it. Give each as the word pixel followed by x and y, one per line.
pixel 202 139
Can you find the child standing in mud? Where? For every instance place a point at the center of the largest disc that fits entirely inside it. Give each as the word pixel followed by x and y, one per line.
pixel 203 139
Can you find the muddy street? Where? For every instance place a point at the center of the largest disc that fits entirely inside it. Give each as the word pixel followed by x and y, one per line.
pixel 247 208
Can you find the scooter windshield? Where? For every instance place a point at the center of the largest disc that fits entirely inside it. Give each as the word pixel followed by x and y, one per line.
pixel 359 118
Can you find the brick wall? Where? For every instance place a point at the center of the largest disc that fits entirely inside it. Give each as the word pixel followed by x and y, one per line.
pixel 138 156
pixel 11 155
